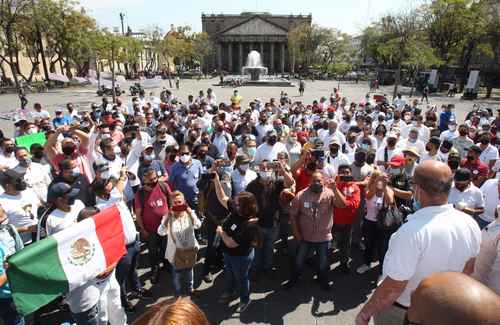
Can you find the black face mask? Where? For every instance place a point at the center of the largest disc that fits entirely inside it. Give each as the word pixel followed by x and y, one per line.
pixel 461 187
pixel 68 150
pixel 345 178
pixel 272 141
pixel 453 164
pixel 359 159
pixel 391 142
pixel 311 166
pixel 20 185
pixel 316 187
pixel 8 150
pixel 334 151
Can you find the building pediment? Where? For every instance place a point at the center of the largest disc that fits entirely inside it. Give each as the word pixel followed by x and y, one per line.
pixel 255 26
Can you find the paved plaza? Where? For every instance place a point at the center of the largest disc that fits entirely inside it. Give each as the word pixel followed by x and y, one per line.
pixel 307 303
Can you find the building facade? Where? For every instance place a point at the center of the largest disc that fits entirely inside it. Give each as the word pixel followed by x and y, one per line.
pixel 234 36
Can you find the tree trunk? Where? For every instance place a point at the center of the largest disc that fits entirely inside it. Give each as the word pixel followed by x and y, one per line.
pixel 466 63
pixel 168 74
pixel 397 78
pixel 13 66
pixel 113 73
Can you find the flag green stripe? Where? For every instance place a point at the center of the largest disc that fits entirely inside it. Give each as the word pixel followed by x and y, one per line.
pixel 36 276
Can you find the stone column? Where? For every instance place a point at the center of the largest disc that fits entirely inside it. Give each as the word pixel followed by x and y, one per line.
pixel 262 51
pixel 219 57
pixel 230 57
pixel 271 65
pixel 240 61
pixel 282 60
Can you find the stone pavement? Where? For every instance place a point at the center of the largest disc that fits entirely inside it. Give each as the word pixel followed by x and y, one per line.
pixel 82 97
pixel 271 304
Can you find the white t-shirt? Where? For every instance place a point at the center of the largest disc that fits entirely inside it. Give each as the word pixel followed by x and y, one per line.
pixel 471 197
pixel 435 239
pixel 240 182
pixel 489 154
pixel 21 209
pixel 491 199
pixel 59 220
pixel 265 151
pixel 8 161
pixel 129 228
pixel 448 135
pixel 380 156
pixel 373 206
pixel 40 115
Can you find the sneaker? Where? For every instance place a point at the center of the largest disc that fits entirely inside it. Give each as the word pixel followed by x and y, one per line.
pixel 363 269
pixel 208 278
pixel 242 306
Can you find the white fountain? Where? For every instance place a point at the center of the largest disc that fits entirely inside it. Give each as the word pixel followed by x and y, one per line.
pixel 254 66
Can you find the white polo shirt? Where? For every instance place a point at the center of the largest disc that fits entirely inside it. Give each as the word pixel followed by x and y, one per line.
pixel 472 197
pixel 488 154
pixel 435 239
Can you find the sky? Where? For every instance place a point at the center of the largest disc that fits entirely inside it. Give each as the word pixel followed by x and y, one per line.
pixel 349 16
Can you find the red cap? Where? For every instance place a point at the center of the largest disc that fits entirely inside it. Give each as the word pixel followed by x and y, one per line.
pixel 397 161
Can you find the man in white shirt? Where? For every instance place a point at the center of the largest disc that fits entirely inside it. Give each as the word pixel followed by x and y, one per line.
pixel 20 204
pixel 335 156
pixel 432 150
pixel 36 176
pixel 414 142
pixel 332 133
pixel 464 195
pixel 399 102
pixel 269 150
pixel 221 138
pixel 489 153
pixel 385 153
pixel 491 195
pixel 7 157
pixel 436 238
pixel 65 214
pixel 263 127
pixel 241 175
pixel 451 133
pixel 39 113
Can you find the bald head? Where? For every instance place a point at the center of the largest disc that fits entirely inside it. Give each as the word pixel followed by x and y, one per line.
pixel 450 298
pixel 434 179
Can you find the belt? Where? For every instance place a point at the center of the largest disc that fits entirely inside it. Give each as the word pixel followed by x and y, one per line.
pixel 399 305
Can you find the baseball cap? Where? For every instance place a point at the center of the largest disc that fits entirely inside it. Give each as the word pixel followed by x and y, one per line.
pixel 242 159
pixel 335 140
pixel 411 150
pixel 61 189
pixel 397 161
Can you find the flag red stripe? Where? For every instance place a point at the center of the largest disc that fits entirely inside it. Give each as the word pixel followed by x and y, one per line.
pixel 109 230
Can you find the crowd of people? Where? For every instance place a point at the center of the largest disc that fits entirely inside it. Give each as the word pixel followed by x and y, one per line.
pixel 406 183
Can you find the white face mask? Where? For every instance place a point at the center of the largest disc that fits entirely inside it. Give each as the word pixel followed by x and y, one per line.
pixel 185 158
pixel 244 167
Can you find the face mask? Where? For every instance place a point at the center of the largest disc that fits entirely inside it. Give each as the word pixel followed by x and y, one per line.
pixel 69 150
pixel 75 172
pixel 251 151
pixel 105 136
pixel 395 171
pixel 272 141
pixel 118 151
pixel 428 147
pixel 453 164
pixel 243 168
pixel 21 185
pixel 470 158
pixel 31 131
pixel 316 187
pixel 334 151
pixel 185 158
pixel 391 142
pixel 345 178
pixel 416 204
pixel 461 187
pixel 292 140
pixel 266 175
pixel 150 157
pixel 452 128
pixel 359 159
pixel 25 162
pixel 9 150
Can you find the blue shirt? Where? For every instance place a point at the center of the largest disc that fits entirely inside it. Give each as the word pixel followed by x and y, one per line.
pixel 444 118
pixel 185 179
pixel 65 120
pixel 5 289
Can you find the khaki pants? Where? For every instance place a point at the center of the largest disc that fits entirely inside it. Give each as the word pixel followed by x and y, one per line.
pixel 391 316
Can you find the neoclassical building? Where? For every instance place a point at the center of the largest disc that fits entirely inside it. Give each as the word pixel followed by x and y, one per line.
pixel 235 36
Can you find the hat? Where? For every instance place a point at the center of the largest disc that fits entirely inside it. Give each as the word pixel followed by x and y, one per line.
pixel 59 110
pixel 411 150
pixel 397 161
pixel 462 175
pixel 242 159
pixel 61 189
pixel 148 146
pixel 435 141
pixel 20 121
pixel 10 175
pixel 334 140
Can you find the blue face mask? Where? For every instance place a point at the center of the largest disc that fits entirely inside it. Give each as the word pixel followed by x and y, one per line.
pixel 416 205
pixel 252 151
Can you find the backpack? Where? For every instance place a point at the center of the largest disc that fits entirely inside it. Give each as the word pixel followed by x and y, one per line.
pixel 18 243
pixel 165 190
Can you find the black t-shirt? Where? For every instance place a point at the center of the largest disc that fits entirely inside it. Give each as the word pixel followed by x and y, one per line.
pixel 402 182
pixel 238 229
pixel 267 197
pixel 85 195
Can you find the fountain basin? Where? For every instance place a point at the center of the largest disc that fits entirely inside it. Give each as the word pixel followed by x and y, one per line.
pixel 254 72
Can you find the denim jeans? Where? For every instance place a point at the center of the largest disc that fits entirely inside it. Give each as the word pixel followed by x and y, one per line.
pixel 236 271
pixel 342 235
pixel 482 223
pixel 264 254
pixel 321 250
pixel 9 314
pixel 182 278
pixel 88 317
pixel 126 271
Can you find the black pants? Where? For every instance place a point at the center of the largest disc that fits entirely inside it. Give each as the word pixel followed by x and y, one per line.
pixel 343 236
pixel 373 242
pixel 126 271
pixel 156 249
pixel 213 255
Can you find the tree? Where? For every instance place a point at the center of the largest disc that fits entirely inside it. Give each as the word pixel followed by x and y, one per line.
pixel 303 42
pixel 335 51
pixel 203 47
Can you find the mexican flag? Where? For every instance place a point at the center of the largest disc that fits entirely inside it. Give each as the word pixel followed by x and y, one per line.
pixel 64 261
